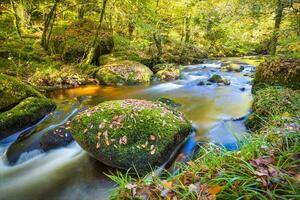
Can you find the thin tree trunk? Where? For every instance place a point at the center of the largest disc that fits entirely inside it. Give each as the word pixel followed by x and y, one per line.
pixel 17 18
pixel 187 30
pixel 156 38
pixel 131 27
pixel 50 19
pixel 278 19
pixel 91 52
pixel 81 12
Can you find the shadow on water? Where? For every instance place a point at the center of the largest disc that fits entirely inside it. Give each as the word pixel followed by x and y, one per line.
pixel 69 173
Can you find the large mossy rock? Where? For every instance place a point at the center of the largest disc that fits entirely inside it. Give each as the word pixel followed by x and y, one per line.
pixel 20 105
pixel 278 72
pixel 27 112
pixel 130 133
pixel 12 91
pixel 72 42
pixel 124 73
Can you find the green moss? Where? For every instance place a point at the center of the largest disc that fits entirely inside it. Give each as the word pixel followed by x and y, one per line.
pixel 124 73
pixel 152 131
pixel 271 105
pixel 12 91
pixel 27 112
pixel 278 72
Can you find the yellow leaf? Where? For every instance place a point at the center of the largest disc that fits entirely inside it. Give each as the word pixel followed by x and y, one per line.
pixel 286 114
pixel 167 184
pixel 214 190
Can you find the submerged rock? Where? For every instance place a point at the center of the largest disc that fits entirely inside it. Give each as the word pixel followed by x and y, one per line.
pixel 169 102
pixel 57 138
pixel 130 133
pixel 201 83
pixel 21 105
pixel 124 73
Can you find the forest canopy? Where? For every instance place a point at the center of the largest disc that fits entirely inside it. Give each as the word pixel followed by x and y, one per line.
pixel 158 28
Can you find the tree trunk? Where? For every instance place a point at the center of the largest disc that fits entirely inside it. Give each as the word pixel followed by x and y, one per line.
pixel 81 12
pixel 92 50
pixel 278 19
pixel 131 28
pixel 17 18
pixel 187 30
pixel 50 19
pixel 157 39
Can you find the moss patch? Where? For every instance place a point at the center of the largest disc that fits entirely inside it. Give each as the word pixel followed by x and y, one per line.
pixel 130 132
pixel 12 91
pixel 28 112
pixel 124 73
pixel 269 103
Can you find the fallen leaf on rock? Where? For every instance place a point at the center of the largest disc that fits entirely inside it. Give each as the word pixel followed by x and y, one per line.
pixel 123 140
pixel 153 151
pixel 102 125
pixel 152 137
pixel 98 145
pixel 105 134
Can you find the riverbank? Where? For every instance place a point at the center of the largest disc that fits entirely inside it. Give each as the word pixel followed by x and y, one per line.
pixel 266 166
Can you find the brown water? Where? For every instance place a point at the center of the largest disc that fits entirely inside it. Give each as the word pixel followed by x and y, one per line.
pixel 69 173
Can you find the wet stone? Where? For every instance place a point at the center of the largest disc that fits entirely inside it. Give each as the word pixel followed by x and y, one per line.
pixel 54 139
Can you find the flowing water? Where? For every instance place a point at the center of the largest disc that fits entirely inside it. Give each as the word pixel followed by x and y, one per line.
pixel 69 173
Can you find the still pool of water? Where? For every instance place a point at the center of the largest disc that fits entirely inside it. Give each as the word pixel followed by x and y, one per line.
pixel 69 173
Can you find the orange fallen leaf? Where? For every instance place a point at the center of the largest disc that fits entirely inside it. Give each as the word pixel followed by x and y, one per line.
pixel 167 184
pixel 214 190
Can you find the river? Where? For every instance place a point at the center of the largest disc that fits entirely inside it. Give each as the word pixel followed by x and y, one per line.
pixel 69 173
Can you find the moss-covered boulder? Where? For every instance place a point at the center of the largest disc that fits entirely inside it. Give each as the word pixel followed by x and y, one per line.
pixel 72 42
pixel 27 112
pixel 130 133
pixel 271 102
pixel 278 72
pixel 168 74
pixel 228 67
pixel 20 105
pixel 167 71
pixel 12 91
pixel 219 79
pixel 124 73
